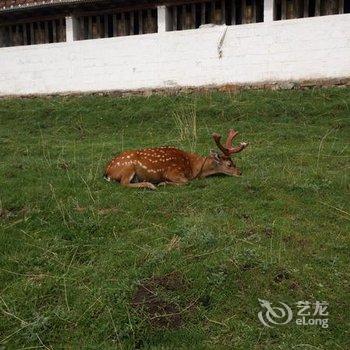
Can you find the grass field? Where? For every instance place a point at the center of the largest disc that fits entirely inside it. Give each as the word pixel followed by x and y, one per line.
pixel 87 264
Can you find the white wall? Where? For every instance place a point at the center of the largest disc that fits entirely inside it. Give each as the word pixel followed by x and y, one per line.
pixel 300 49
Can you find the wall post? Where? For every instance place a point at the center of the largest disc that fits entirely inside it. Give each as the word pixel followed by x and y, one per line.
pixel 71 29
pixel 164 19
pixel 269 10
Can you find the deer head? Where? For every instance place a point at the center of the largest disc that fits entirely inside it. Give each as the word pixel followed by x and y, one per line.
pixel 221 163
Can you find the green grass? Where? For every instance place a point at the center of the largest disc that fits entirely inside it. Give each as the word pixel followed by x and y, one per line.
pixel 88 264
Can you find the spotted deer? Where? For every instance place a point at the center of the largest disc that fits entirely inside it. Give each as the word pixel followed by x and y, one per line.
pixel 148 167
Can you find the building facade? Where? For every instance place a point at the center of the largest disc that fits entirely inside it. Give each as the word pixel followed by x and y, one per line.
pixel 61 46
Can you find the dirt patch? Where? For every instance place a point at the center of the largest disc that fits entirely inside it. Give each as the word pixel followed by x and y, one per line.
pixel 300 241
pixel 4 213
pixel 100 211
pixel 106 211
pixel 174 243
pixel 249 266
pixel 151 299
pixel 294 285
pixel 64 165
pixel 268 231
pixel 282 276
pixel 80 209
pixel 13 212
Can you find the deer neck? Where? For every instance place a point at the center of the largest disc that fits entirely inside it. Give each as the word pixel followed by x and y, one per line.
pixel 198 165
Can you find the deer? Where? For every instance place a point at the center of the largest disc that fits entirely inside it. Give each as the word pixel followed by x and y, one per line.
pixel 166 165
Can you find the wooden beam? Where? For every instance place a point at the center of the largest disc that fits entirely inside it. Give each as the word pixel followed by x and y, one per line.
pixel 105 23
pixel 82 28
pixel 32 39
pixel 296 4
pixel 284 9
pixel 243 10
pixel 233 12
pixel 325 7
pixel 212 11
pixel 306 8
pixel 10 36
pixel 17 35
pixel 54 31
pixel 132 23
pixel 2 36
pixel 46 31
pixel 7 36
pixel 63 29
pixel 24 31
pixel 114 24
pixel 203 13
pixel 123 23
pixel 223 12
pixel 90 27
pixel 193 15
pixel 98 26
pixel 175 17
pixel 254 10
pixel 140 22
pixel 318 8
pixel 59 31
pixel 149 23
pixel 40 33
pixel 183 17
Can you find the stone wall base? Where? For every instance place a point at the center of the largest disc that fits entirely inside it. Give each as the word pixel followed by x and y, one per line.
pixel 228 88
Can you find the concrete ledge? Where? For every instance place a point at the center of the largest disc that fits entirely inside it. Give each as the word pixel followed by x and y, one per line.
pixel 229 88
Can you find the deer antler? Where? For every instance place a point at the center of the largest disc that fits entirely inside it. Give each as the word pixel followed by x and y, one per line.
pixel 217 138
pixel 227 150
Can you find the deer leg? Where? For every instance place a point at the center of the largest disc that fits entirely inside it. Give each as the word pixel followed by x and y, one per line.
pixel 175 180
pixel 141 185
pixel 171 183
pixel 128 176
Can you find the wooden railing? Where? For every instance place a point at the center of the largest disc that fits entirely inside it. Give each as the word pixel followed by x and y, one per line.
pixel 289 9
pixel 132 22
pixel 31 33
pixel 230 12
